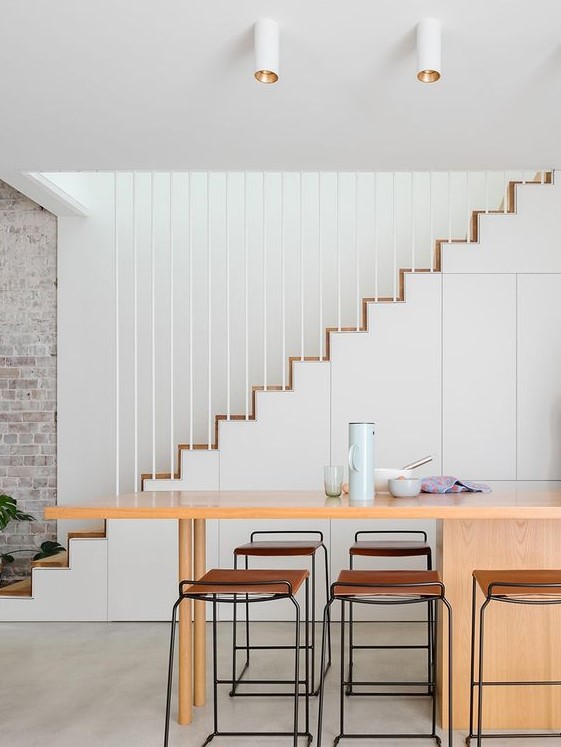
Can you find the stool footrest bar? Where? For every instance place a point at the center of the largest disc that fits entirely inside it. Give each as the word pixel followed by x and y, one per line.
pixel 499 683
pixel 388 736
pixel 357 647
pixel 512 735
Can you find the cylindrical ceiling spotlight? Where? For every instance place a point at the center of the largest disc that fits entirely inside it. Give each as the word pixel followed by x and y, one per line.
pixel 429 50
pixel 266 46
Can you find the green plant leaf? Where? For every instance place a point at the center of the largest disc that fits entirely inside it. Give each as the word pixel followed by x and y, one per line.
pixel 7 558
pixel 48 549
pixel 9 511
pixel 21 516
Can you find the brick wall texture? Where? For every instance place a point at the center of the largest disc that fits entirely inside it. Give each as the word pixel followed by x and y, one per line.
pixel 28 251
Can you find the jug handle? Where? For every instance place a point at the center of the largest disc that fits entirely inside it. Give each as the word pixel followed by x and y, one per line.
pixel 352 451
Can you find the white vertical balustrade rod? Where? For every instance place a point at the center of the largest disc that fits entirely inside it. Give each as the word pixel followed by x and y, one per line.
pixel 486 191
pixel 376 236
pixel 209 297
pixel 431 209
pixel 412 185
pixel 246 292
pixel 505 193
pixel 449 207
pixel 153 321
pixel 320 271
pixel 394 238
pixel 190 261
pixel 542 176
pixel 468 216
pixel 283 288
pixel 337 241
pixel 135 329
pixel 264 227
pixel 301 229
pixel 117 345
pixel 171 335
pixel 357 268
pixel 228 321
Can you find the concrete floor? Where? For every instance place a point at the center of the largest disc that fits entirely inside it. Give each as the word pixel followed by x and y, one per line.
pixel 103 684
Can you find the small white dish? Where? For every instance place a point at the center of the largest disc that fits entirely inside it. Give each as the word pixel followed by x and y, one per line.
pixel 404 488
pixel 381 477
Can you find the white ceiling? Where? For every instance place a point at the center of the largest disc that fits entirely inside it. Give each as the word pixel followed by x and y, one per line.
pixel 167 84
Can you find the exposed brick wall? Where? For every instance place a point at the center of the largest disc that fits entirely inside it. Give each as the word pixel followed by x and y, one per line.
pixel 28 269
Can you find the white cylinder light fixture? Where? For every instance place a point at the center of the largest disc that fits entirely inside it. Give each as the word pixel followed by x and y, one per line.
pixel 429 45
pixel 266 46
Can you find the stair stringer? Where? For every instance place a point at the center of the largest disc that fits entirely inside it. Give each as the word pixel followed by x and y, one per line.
pixel 391 376
pixel 524 243
pixel 284 447
pixel 74 594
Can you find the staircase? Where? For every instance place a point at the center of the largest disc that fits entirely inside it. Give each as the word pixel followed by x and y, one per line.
pixel 357 377
pixel 69 586
pixel 152 481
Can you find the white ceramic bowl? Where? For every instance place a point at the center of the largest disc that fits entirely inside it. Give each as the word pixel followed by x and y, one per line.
pixel 408 488
pixel 381 477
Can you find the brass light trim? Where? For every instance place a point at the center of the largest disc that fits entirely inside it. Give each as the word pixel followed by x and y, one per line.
pixel 428 76
pixel 266 76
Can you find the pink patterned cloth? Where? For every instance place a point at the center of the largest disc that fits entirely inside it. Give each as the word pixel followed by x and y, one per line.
pixel 447 484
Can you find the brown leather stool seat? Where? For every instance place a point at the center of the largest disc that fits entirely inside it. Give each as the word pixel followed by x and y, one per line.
pixel 388 544
pixel 279 544
pixel 395 549
pixel 233 586
pixel 385 587
pixel 526 586
pixel 284 548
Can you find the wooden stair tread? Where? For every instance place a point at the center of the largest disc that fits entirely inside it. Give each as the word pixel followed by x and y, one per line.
pixel 60 560
pixel 17 589
pixel 100 534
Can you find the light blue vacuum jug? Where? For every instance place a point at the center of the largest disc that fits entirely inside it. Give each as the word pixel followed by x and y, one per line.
pixel 361 461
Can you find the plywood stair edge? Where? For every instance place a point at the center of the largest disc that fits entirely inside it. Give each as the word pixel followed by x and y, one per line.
pixel 541 178
pixel 17 589
pixel 61 560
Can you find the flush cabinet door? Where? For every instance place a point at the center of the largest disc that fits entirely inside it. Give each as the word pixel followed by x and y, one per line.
pixel 479 376
pixel 539 377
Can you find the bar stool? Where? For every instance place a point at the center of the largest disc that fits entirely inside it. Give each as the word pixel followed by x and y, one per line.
pixel 276 548
pixel 386 587
pixel 513 587
pixel 411 543
pixel 226 586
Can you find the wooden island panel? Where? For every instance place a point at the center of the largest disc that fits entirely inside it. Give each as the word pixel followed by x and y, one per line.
pixel 521 641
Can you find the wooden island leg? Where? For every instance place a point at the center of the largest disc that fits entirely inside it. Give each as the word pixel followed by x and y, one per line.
pixel 200 617
pixel 185 644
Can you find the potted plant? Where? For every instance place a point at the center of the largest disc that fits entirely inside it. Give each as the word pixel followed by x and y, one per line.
pixel 9 512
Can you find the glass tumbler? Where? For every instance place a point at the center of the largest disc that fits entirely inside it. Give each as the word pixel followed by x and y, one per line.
pixel 333 481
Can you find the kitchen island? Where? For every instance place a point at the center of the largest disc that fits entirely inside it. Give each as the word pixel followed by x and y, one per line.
pixel 518 525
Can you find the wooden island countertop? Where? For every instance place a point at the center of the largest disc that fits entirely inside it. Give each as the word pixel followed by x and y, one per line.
pixel 507 501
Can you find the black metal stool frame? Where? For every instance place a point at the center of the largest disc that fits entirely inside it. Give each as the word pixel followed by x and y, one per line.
pixel 371 600
pixel 215 599
pixel 310 647
pixel 480 683
pixel 430 623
